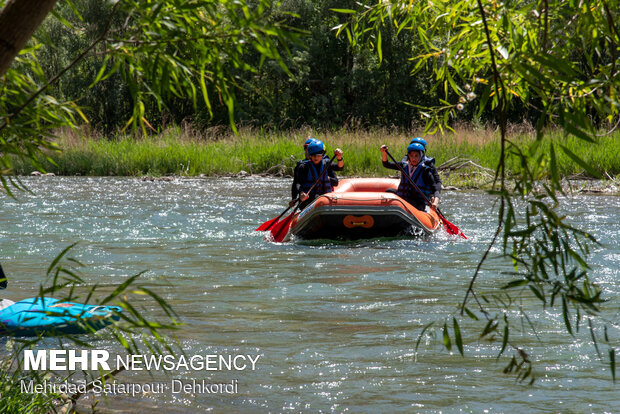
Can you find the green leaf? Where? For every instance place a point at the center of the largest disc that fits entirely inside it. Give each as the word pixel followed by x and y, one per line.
pixel 59 257
pixel 120 288
pixel 446 337
pixel 562 66
pixel 612 363
pixel 62 19
pixel 421 335
pixel 505 338
pixel 379 46
pixel 511 365
pixel 347 11
pixel 575 130
pixel 553 167
pixel 538 293
pixel 534 77
pixel 452 85
pixel 491 326
pixel 566 315
pixel 484 99
pixel 515 283
pixel 581 162
pixel 74 9
pixel 457 336
pixel 470 314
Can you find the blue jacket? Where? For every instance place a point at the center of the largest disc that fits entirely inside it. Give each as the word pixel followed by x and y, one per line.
pixel 425 177
pixel 309 173
pixel 331 172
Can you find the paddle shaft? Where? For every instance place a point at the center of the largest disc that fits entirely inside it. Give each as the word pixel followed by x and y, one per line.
pixel 281 228
pixel 320 176
pixel 279 231
pixel 449 227
pixel 280 216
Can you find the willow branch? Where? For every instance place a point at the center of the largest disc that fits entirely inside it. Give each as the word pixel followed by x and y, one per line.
pixel 62 72
pixel 501 165
pixel 546 27
pixel 470 288
pixel 499 87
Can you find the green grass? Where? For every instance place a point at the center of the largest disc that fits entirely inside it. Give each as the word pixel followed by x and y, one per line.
pixel 186 152
pixel 15 401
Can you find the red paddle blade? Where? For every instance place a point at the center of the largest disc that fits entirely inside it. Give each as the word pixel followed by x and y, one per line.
pixel 280 230
pixel 451 228
pixel 267 225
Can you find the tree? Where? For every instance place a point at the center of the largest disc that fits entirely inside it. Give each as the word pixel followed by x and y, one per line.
pixel 559 58
pixel 160 49
pixel 30 14
pixel 177 48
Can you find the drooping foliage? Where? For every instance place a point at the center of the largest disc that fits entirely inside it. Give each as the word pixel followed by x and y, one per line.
pixel 129 62
pixel 559 60
pixel 332 82
pixel 185 49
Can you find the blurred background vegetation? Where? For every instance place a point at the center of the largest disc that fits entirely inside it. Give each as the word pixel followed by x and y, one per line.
pixel 334 84
pixel 325 86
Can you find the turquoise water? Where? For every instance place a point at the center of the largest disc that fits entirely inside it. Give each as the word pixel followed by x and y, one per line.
pixel 335 324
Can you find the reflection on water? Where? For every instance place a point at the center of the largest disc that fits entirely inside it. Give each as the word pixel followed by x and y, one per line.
pixel 335 324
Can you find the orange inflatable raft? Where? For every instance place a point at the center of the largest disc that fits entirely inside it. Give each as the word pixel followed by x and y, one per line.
pixel 360 208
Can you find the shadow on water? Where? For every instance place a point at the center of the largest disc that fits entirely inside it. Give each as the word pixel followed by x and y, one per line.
pixel 358 242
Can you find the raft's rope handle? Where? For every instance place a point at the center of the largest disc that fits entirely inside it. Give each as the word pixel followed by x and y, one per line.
pixel 375 199
pixel 96 308
pixel 385 199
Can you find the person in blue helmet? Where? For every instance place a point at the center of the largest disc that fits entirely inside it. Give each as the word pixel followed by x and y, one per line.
pixel 311 169
pixel 424 176
pixel 426 159
pixel 331 172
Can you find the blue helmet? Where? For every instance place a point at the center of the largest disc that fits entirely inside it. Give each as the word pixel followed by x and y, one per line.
pixel 415 147
pixel 309 141
pixel 419 141
pixel 316 147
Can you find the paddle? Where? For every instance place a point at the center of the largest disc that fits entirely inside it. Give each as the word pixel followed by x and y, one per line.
pixel 267 225
pixel 279 231
pixel 449 227
pixel 3 279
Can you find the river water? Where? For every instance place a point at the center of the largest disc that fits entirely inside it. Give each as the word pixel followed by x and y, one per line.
pixel 335 324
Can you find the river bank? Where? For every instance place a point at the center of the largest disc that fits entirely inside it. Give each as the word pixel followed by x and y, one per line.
pixel 571 185
pixel 466 158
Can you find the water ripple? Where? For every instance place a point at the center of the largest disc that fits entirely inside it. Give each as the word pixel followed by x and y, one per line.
pixel 336 324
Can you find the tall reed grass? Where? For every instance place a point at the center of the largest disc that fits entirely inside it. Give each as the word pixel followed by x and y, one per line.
pixel 184 151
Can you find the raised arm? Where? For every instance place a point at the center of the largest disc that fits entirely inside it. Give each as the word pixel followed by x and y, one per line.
pixel 384 159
